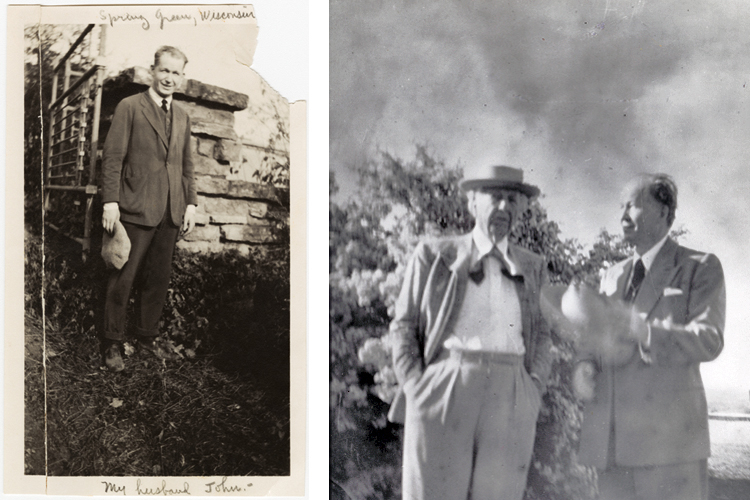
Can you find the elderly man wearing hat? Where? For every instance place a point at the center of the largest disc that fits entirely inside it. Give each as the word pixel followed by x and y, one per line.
pixel 472 352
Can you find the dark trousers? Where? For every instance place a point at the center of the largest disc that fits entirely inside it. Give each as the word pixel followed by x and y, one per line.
pixel 150 262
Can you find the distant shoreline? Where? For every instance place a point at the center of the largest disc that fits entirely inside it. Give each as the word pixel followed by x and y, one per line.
pixel 728 401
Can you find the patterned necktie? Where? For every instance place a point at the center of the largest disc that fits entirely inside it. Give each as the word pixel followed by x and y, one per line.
pixel 639 272
pixel 168 118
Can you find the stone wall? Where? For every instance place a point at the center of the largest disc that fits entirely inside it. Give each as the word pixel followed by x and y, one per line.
pixel 235 209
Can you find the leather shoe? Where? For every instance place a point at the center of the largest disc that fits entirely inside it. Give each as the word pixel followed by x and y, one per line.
pixel 158 347
pixel 113 357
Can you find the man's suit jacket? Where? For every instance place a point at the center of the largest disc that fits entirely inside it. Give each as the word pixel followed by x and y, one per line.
pixel 660 409
pixel 142 167
pixel 434 286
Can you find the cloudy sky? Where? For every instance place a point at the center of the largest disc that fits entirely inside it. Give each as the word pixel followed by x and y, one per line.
pixel 580 94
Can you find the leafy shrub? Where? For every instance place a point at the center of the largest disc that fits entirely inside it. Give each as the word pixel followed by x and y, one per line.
pixel 224 288
pixel 213 299
pixel 226 411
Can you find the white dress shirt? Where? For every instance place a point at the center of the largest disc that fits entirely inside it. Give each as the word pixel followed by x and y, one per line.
pixel 648 259
pixel 158 99
pixel 490 315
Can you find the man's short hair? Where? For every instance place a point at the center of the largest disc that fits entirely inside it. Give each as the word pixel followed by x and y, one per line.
pixel 663 189
pixel 172 51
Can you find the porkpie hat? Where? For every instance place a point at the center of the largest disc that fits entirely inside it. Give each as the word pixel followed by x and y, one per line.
pixel 116 247
pixel 498 176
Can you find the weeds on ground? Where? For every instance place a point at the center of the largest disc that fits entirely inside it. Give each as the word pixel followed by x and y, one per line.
pixel 33 396
pixel 222 409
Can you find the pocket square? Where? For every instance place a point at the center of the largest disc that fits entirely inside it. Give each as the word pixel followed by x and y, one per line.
pixel 668 292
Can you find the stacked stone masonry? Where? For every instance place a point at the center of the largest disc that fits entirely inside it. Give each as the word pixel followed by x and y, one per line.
pixel 235 210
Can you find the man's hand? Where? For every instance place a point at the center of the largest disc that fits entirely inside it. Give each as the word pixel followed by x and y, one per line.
pixel 583 380
pixel 188 221
pixel 627 323
pixel 110 215
pixel 638 327
pixel 410 384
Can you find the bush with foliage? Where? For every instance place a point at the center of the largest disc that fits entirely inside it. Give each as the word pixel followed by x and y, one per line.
pixel 38 63
pixel 371 238
pixel 213 299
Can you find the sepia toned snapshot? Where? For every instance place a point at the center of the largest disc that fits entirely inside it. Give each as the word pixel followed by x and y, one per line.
pixel 538 228
pixel 163 200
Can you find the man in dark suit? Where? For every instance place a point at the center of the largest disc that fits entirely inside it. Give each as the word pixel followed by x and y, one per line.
pixel 147 185
pixel 472 352
pixel 646 429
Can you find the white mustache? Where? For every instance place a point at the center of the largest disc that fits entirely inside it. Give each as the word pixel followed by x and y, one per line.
pixel 495 218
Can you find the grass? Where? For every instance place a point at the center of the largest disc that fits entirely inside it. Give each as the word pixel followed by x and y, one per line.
pixel 730 449
pixel 728 489
pixel 33 397
pixel 184 418
pixel 221 411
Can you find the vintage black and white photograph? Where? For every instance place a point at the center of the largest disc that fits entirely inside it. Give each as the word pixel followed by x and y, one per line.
pixel 159 347
pixel 538 228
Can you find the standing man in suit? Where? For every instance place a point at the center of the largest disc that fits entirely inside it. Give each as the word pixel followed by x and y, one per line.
pixel 472 352
pixel 148 185
pixel 646 429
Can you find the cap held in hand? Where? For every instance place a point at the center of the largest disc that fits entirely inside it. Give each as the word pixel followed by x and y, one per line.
pixel 116 247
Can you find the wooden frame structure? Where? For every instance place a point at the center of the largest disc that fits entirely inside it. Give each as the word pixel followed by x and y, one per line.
pixel 73 131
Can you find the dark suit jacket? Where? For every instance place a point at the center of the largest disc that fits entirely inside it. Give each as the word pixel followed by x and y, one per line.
pixel 433 288
pixel 142 168
pixel 660 409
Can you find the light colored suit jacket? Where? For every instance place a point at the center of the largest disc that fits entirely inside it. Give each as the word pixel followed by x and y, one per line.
pixel 660 409
pixel 434 286
pixel 142 167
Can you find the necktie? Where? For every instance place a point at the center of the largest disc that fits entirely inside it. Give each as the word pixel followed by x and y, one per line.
pixel 639 272
pixel 476 273
pixel 168 118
